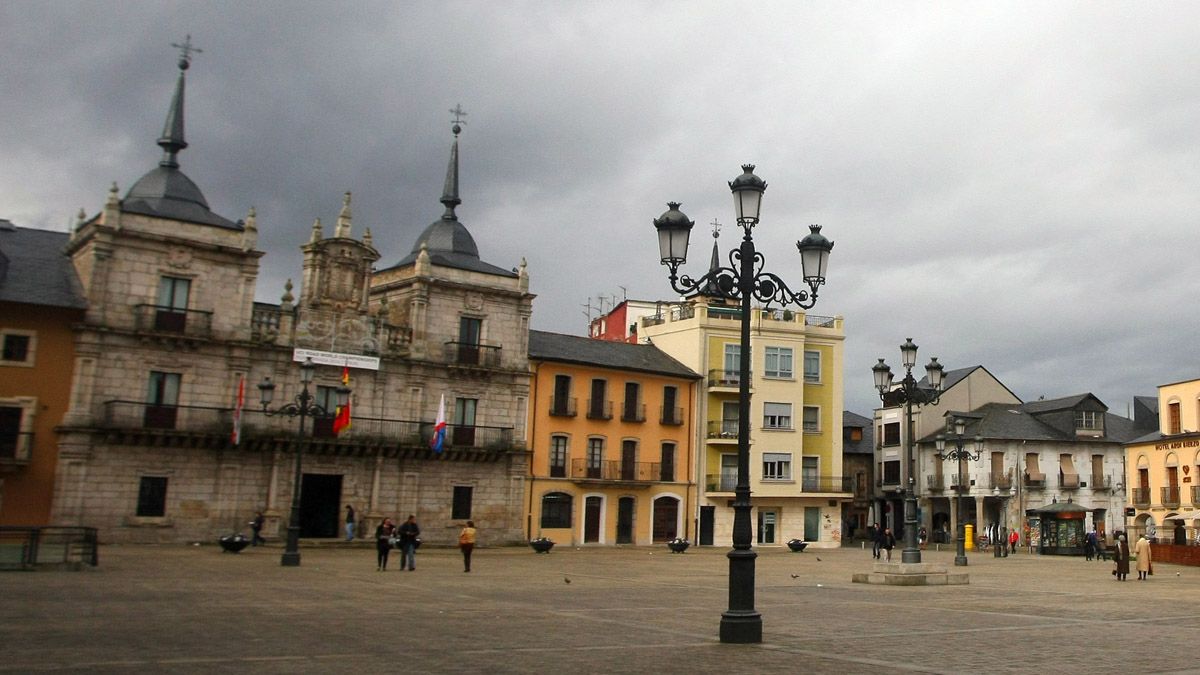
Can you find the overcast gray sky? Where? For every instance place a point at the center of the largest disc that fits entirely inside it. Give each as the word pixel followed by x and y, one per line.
pixel 1010 184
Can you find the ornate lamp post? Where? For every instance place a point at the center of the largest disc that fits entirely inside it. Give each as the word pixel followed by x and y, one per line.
pixel 909 394
pixel 742 281
pixel 961 454
pixel 1003 496
pixel 302 406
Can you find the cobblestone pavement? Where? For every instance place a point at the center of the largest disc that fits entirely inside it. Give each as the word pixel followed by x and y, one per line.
pixel 632 610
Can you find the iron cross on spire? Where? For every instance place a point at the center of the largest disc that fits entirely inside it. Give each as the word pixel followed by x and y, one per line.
pixel 458 120
pixel 185 51
pixel 716 228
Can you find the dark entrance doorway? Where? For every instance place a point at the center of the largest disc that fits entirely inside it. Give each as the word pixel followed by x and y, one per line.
pixel 591 520
pixel 320 497
pixel 708 515
pixel 666 518
pixel 625 520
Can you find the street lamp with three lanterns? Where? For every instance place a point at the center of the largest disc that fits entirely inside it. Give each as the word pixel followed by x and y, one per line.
pixel 960 453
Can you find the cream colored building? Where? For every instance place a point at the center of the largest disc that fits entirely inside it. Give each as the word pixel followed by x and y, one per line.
pixel 796 478
pixel 1163 468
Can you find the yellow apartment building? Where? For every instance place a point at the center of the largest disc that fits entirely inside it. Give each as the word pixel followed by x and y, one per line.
pixel 1162 469
pixel 611 430
pixel 797 482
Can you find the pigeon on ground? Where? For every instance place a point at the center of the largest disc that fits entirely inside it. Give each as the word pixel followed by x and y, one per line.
pixel 795 576
pixel 818 558
pixel 566 580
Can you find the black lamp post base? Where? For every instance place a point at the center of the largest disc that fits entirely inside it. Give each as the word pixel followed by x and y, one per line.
pixel 960 561
pixel 741 627
pixel 290 559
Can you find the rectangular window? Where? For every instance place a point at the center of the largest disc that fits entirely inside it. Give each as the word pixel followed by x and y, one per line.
pixel 777 466
pixel 15 348
pixel 10 430
pixel 556 510
pixel 631 408
pixel 460 508
pixel 733 361
pixel 598 405
pixel 1088 419
pixel 891 472
pixel 470 330
pixel 561 405
pixel 777 415
pixel 891 433
pixel 162 395
pixel 812 419
pixel 729 467
pixel 1173 420
pixel 812 366
pixel 810 468
pixel 152 497
pixel 671 413
pixel 667 466
pixel 171 313
pixel 778 362
pixel 322 425
pixel 558 456
pixel 595 457
pixel 730 412
pixel 766 526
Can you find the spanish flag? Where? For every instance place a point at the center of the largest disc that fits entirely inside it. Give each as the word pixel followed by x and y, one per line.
pixel 342 419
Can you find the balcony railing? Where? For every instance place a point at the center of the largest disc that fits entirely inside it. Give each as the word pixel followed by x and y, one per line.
pixel 1170 496
pixel 720 377
pixel 633 412
pixel 1100 482
pixel 671 415
pixel 722 482
pixel 723 429
pixel 1141 496
pixel 1002 480
pixel 472 354
pixel 562 406
pixel 826 484
pixel 28 547
pixel 256 425
pixel 935 483
pixel 820 321
pixel 599 410
pixel 158 319
pixel 14 446
pixel 1195 496
pixel 265 321
pixel 616 470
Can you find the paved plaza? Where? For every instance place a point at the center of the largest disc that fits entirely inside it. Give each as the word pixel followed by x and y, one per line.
pixel 194 609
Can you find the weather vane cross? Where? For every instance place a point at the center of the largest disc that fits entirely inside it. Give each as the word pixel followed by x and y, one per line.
pixel 185 51
pixel 458 113
pixel 716 228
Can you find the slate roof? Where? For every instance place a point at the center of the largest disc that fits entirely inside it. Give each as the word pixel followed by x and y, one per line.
pixel 165 192
pixel 866 446
pixel 35 271
pixel 1019 422
pixel 644 358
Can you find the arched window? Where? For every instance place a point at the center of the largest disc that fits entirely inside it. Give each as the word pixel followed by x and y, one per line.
pixel 556 510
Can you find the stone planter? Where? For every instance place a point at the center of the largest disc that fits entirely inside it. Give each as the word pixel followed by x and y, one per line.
pixel 678 545
pixel 797 545
pixel 233 543
pixel 542 545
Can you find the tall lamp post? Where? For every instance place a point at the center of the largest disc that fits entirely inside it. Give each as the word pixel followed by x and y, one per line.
pixel 909 394
pixel 1002 496
pixel 742 281
pixel 960 453
pixel 304 405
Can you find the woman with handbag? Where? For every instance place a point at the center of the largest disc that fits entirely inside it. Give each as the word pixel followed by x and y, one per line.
pixel 466 543
pixel 383 543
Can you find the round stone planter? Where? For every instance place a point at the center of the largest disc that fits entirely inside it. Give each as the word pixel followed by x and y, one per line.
pixel 233 543
pixel 678 545
pixel 541 545
pixel 797 545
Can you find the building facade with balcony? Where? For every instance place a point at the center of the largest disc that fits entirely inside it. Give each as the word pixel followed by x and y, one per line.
pixel 798 486
pixel 1162 468
pixel 612 428
pixel 147 450
pixel 858 463
pixel 40 301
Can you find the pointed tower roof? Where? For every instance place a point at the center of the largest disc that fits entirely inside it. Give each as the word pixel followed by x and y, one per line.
pixel 165 192
pixel 447 240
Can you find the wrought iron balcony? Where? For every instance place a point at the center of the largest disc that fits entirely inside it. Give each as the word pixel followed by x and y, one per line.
pixel 472 354
pixel 1140 496
pixel 616 470
pixel 671 415
pixel 935 483
pixel 1100 482
pixel 1170 496
pixel 1195 496
pixel 826 484
pixel 721 377
pixel 1001 480
pixel 214 425
pixel 599 410
pixel 633 412
pixel 726 429
pixel 562 406
pixel 725 481
pixel 173 321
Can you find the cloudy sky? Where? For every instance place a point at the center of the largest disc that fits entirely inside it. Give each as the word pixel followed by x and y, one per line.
pixel 1010 184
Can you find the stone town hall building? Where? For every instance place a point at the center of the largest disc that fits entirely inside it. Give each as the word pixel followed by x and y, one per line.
pixel 172 328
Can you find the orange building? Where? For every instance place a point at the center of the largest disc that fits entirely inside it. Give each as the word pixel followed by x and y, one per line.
pixel 612 432
pixel 40 300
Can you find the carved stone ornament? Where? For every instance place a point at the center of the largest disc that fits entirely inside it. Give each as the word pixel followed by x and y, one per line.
pixel 179 257
pixel 474 300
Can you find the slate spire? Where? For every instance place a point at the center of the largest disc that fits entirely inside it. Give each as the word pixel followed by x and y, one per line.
pixel 450 191
pixel 172 141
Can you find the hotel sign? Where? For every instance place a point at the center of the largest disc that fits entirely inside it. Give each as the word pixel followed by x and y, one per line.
pixel 1193 443
pixel 336 359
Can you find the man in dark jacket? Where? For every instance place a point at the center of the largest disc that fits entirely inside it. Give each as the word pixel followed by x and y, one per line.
pixel 876 540
pixel 408 533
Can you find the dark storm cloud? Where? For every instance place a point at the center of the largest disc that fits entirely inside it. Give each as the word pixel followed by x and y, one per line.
pixel 1011 185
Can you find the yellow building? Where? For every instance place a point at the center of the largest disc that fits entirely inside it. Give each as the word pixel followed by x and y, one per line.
pixel 1162 468
pixel 611 429
pixel 40 301
pixel 797 483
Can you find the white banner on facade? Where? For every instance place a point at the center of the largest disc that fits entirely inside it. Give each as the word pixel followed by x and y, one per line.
pixel 335 359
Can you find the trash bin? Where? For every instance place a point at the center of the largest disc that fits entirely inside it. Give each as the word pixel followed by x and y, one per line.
pixel 969 530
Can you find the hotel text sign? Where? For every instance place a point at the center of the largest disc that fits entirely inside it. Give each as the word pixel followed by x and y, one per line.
pixel 1194 443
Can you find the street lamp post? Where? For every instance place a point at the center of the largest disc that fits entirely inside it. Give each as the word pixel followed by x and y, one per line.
pixel 1003 496
pixel 909 394
pixel 302 406
pixel 742 281
pixel 961 454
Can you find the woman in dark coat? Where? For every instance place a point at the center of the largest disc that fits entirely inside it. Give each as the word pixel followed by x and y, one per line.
pixel 383 543
pixel 1121 556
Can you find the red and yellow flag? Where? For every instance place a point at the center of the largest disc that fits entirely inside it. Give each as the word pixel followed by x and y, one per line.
pixel 342 419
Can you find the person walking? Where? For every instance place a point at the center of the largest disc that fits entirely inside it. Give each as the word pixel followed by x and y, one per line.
pixel 1121 557
pixel 349 523
pixel 256 526
pixel 466 543
pixel 383 544
pixel 408 542
pixel 1089 545
pixel 888 543
pixel 922 537
pixel 1144 564
pixel 876 540
pixel 1013 538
